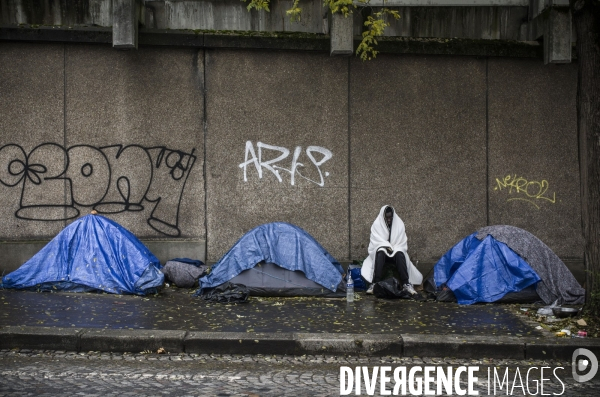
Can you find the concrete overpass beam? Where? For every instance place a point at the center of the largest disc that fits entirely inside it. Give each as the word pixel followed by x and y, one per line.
pixel 557 36
pixel 550 20
pixel 125 24
pixel 341 33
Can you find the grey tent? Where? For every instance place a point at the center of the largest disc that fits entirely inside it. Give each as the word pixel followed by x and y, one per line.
pixel 269 279
pixel 278 259
pixel 557 281
pixel 525 270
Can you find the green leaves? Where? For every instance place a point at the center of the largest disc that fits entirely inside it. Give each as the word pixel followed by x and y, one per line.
pixel 344 7
pixel 294 12
pixel 376 25
pixel 258 4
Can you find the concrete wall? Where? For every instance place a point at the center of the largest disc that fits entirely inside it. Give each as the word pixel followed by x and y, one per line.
pixel 454 143
pixel 87 127
pixel 475 22
pixel 151 102
pixel 297 104
pixel 499 23
pixel 418 143
pixel 533 155
pixel 31 112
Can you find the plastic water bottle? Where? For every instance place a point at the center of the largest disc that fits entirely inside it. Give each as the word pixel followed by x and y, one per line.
pixel 349 289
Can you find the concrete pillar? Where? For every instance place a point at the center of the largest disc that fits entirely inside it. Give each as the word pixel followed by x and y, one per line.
pixel 125 24
pixel 557 36
pixel 341 33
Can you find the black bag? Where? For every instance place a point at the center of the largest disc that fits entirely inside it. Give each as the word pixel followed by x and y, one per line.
pixel 445 295
pixel 227 293
pixel 390 289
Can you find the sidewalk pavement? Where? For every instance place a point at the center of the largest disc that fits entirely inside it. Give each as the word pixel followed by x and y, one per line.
pixel 176 321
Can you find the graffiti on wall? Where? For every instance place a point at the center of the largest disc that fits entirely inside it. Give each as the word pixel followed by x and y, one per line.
pixel 273 165
pixel 533 192
pixel 110 179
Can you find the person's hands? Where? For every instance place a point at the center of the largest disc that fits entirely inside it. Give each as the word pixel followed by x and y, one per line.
pixel 389 250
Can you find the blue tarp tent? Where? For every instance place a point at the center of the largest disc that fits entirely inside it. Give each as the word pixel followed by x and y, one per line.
pixel 482 270
pixel 285 245
pixel 92 253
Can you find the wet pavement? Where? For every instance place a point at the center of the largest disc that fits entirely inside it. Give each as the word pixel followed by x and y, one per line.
pixel 55 373
pixel 177 309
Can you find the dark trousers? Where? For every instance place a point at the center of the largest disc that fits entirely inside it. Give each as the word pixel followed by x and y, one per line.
pixel 399 260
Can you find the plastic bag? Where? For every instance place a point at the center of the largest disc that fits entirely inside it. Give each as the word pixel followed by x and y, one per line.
pixel 547 310
pixel 227 293
pixel 390 288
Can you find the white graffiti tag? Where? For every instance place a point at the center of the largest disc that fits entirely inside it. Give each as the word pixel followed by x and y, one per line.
pixel 251 158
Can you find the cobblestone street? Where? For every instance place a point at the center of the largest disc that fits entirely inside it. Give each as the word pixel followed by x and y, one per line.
pixel 52 373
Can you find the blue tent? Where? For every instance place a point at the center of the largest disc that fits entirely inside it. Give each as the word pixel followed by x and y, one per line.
pixel 285 245
pixel 92 253
pixel 482 270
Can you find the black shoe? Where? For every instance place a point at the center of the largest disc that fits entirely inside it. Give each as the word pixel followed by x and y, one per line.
pixel 410 291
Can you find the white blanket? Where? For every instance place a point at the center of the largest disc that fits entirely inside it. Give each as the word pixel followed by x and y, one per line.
pixel 397 241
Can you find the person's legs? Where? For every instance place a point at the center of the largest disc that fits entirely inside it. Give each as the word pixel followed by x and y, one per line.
pixel 402 267
pixel 380 259
pixel 400 261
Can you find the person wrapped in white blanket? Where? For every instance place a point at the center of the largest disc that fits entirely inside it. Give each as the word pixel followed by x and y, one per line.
pixel 388 243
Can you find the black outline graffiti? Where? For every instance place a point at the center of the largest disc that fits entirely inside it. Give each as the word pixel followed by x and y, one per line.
pixel 22 167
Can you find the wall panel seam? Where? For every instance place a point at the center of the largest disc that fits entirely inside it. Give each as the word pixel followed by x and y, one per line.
pixel 348 109
pixel 487 145
pixel 204 171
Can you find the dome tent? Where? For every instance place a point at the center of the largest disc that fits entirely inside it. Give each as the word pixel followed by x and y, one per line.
pixel 92 253
pixel 557 281
pixel 278 259
pixel 497 263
